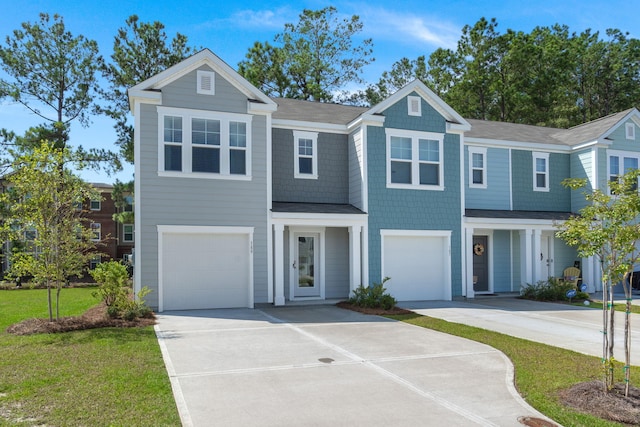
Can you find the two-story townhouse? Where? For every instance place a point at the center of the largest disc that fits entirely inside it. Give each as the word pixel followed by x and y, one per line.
pixel 514 196
pixel 244 199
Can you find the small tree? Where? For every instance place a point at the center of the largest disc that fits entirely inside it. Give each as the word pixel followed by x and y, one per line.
pixel 41 209
pixel 609 229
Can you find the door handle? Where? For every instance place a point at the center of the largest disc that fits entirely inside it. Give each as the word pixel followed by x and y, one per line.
pixel 294 264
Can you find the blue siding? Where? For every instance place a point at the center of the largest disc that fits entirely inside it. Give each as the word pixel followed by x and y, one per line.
pixel 524 198
pixel 564 256
pixel 502 270
pixel 582 168
pixel 497 194
pixel 620 141
pixel 407 209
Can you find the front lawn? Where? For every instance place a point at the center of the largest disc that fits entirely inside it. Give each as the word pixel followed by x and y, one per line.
pixel 97 377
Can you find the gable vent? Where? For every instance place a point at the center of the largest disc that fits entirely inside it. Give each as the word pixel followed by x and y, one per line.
pixel 630 131
pixel 206 83
pixel 415 106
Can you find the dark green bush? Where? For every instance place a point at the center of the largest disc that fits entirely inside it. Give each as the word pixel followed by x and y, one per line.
pixel 552 289
pixel 374 296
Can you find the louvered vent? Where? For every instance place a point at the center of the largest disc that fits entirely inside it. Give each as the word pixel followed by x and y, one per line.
pixel 206 82
pixel 414 106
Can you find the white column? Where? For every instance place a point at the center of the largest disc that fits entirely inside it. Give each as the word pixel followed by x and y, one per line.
pixel 279 264
pixel 537 257
pixel 526 266
pixel 467 280
pixel 355 263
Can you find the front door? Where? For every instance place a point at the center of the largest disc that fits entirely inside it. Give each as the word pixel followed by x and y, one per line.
pixel 480 264
pixel 546 256
pixel 306 281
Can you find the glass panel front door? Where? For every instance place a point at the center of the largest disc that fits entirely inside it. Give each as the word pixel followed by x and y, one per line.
pixel 305 265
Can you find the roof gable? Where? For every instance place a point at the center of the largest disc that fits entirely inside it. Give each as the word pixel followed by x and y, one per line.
pixel 450 115
pixel 204 57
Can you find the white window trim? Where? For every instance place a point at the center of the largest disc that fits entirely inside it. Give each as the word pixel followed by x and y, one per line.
pixel 313 136
pixel 630 131
pixel 97 229
pixel 483 151
pixel 415 170
pixel 91 202
pixel 203 75
pixel 621 156
pixel 410 101
pixel 545 157
pixel 124 233
pixel 189 114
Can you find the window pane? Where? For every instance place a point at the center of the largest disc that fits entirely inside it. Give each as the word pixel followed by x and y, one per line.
pixel 477 176
pixel 429 174
pixel 305 147
pixel 429 150
pixel 541 165
pixel 206 160
pixel 400 148
pixel 172 129
pixel 172 158
pixel 237 134
pixel 630 163
pixel 306 165
pixel 614 166
pixel 205 131
pixel 477 160
pixel 541 180
pixel 401 172
pixel 238 164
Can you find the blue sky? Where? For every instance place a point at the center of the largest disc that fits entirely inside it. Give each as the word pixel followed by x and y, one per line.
pixel 398 29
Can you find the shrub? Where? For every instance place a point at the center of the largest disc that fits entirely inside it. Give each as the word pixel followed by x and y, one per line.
pixel 114 288
pixel 552 289
pixel 374 296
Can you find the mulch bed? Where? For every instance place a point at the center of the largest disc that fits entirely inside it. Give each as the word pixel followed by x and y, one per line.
pixel 377 311
pixel 95 317
pixel 590 397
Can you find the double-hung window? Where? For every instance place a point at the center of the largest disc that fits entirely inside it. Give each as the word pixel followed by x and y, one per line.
pixel 620 163
pixel 415 160
pixel 540 171
pixel 306 154
pixel 477 167
pixel 204 144
pixel 127 232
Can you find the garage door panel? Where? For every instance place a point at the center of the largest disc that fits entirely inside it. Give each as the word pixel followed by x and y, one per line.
pixel 416 266
pixel 205 271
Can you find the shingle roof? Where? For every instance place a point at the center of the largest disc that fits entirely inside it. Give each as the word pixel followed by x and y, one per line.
pixel 337 114
pixel 321 112
pixel 315 208
pixel 502 214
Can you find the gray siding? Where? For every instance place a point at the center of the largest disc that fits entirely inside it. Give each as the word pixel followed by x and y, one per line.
pixel 581 167
pixel 337 263
pixel 332 185
pixel 193 201
pixel 356 170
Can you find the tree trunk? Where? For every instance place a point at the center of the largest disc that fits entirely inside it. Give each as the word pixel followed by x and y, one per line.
pixel 49 300
pixel 611 334
pixel 605 336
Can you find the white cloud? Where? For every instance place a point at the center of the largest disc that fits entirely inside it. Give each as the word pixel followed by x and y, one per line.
pixel 410 28
pixel 252 19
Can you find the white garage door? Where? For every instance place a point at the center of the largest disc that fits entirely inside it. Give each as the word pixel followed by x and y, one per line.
pixel 418 267
pixel 205 270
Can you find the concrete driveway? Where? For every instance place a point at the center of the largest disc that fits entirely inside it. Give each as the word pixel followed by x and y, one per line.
pixel 321 365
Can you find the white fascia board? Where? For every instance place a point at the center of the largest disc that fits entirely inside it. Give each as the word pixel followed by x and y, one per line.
pixel 310 126
pixel 592 144
pixel 260 108
pixel 518 145
pixel 367 120
pixel 143 97
pixel 511 224
pixel 204 57
pixel 326 220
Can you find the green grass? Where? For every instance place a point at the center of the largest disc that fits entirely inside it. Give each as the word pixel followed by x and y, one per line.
pixel 617 307
pixel 99 377
pixel 541 371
